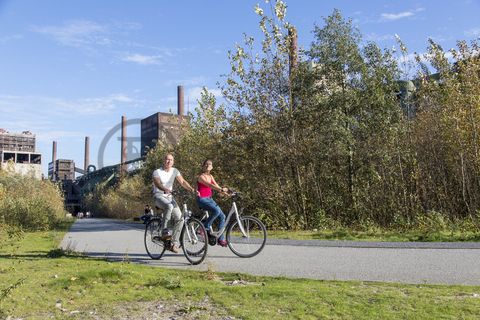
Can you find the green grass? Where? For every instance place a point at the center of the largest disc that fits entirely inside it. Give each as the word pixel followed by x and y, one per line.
pixel 39 281
pixel 377 235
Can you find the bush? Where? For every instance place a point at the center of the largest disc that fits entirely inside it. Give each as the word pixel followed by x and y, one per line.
pixel 125 200
pixel 28 203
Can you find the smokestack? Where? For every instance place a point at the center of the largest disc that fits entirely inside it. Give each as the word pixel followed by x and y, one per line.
pixel 123 157
pixel 293 55
pixel 86 161
pixel 54 159
pixel 180 100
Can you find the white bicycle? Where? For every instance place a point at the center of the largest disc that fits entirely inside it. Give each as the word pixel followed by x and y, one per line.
pixel 246 235
pixel 192 237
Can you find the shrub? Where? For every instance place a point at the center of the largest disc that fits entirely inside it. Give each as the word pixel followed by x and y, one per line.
pixel 125 200
pixel 28 203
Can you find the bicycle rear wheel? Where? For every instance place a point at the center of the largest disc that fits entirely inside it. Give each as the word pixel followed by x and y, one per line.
pixel 193 241
pixel 252 242
pixel 153 239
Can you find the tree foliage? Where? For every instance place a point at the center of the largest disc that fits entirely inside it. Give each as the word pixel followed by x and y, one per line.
pixel 446 131
pixel 333 139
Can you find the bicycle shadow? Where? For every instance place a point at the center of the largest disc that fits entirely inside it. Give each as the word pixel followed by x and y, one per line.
pixel 138 258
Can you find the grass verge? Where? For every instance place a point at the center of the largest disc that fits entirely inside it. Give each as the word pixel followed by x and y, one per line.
pixel 37 280
pixel 377 235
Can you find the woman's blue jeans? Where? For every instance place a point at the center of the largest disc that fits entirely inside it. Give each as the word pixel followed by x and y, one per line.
pixel 215 212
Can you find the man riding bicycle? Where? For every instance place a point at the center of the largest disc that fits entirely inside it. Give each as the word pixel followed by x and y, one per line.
pixel 163 179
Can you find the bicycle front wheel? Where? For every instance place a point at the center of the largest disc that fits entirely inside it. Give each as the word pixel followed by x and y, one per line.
pixel 252 242
pixel 153 239
pixel 193 240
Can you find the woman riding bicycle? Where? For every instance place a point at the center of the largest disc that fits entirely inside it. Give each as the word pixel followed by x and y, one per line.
pixel 205 183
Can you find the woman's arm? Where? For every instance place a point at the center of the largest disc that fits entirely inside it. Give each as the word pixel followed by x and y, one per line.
pixel 214 185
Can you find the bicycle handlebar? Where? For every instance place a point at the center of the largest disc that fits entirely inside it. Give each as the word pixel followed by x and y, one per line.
pixel 182 193
pixel 234 194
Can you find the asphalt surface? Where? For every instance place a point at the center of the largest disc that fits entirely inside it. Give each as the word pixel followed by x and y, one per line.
pixel 412 262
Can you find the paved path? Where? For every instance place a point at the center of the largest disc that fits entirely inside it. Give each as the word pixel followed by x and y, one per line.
pixel 433 263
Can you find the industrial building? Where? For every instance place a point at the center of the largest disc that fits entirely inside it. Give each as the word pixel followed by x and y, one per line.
pixel 163 126
pixel 64 170
pixel 18 153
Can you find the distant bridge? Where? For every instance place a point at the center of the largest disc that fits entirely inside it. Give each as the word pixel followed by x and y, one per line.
pixel 76 190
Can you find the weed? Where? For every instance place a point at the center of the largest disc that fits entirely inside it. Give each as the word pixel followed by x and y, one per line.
pixel 167 283
pixel 4 293
pixel 60 252
pixel 211 274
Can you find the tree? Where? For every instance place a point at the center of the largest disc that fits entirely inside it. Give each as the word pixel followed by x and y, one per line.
pixel 356 98
pixel 447 130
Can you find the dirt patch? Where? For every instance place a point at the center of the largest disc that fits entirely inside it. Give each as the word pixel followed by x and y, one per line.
pixel 172 310
pixel 155 310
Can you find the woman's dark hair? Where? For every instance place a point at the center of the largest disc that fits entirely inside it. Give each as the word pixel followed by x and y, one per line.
pixel 205 162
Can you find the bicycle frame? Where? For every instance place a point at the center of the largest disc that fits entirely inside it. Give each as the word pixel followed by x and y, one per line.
pixel 233 211
pixel 186 215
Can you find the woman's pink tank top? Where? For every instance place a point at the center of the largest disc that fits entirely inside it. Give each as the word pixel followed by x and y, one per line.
pixel 205 191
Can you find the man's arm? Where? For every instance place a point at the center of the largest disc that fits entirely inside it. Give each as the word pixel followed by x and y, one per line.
pixel 158 183
pixel 185 184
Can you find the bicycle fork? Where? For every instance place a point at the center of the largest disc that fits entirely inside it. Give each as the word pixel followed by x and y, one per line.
pixel 186 217
pixel 237 216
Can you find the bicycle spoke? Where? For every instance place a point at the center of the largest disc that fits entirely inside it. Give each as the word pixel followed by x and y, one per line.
pixel 154 246
pixel 248 241
pixel 193 241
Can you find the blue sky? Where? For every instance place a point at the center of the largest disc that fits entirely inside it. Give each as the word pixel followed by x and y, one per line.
pixel 70 69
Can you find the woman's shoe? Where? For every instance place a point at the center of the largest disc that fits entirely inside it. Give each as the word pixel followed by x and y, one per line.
pixel 222 243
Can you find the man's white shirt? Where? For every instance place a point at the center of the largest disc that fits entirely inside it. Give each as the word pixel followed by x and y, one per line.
pixel 166 178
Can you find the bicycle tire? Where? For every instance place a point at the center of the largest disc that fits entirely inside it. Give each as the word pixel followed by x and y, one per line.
pixel 250 245
pixel 154 246
pixel 192 239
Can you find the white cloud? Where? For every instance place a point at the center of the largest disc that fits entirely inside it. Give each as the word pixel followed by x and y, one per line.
pixel 400 15
pixel 379 37
pixel 475 32
pixel 10 38
pixel 16 107
pixel 79 33
pixel 97 106
pixel 193 81
pixel 194 94
pixel 424 57
pixel 406 59
pixel 142 59
pixel 106 39
pixel 396 16
pixel 49 136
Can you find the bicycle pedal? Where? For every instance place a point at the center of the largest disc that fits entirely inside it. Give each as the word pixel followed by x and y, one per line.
pixel 212 240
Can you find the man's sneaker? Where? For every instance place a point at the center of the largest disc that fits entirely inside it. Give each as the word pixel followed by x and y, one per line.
pixel 166 234
pixel 173 248
pixel 222 243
